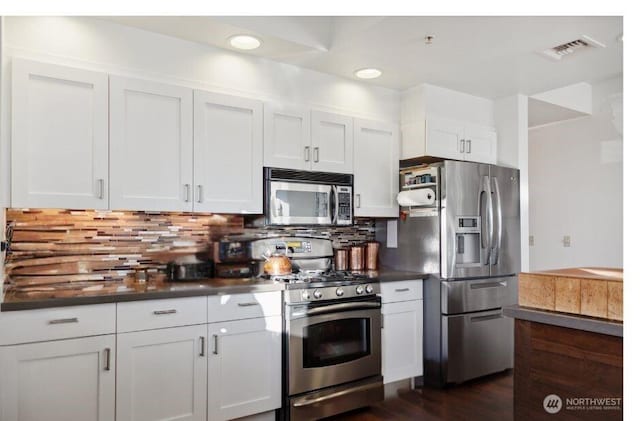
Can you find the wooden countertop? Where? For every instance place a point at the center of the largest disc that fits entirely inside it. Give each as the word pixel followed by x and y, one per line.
pixel 605 274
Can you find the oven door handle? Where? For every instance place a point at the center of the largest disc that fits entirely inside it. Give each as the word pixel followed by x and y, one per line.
pixel 334 308
pixel 362 388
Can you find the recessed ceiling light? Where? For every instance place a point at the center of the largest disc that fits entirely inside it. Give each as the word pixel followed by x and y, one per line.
pixel 244 42
pixel 368 73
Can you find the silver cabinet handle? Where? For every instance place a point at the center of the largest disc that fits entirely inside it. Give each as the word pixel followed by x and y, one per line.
pixel 214 338
pixel 202 339
pixel 160 312
pixel 461 145
pixel 402 289
pixel 187 192
pixel 358 200
pixel 248 304
pixel 200 193
pixel 468 145
pixel 316 154
pixel 101 188
pixel 307 151
pixel 107 359
pixel 63 321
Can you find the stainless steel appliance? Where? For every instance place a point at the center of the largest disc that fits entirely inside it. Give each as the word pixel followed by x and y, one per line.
pixel 307 198
pixel 332 330
pixel 468 238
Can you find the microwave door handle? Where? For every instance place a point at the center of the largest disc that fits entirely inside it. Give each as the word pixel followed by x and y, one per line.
pixel 498 218
pixel 334 192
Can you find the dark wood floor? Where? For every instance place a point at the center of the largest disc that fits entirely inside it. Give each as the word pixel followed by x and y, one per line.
pixel 489 398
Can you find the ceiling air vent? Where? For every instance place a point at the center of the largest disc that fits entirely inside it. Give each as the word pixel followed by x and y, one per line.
pixel 571 47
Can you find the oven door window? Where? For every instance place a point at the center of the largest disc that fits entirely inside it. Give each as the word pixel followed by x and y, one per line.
pixel 336 342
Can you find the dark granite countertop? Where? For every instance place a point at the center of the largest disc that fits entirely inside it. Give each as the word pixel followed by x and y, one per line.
pixel 571 321
pixel 76 293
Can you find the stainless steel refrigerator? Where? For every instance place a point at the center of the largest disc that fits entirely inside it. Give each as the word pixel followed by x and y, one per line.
pixel 468 239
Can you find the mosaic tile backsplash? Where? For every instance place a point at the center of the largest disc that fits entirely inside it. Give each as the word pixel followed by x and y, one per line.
pixel 51 246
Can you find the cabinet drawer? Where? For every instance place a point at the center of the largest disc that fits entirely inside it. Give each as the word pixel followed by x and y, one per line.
pixel 401 291
pixel 157 314
pixel 244 306
pixel 56 323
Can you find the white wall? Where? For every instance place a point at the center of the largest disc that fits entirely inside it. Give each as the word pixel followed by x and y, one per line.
pixel 106 46
pixel 511 117
pixel 575 186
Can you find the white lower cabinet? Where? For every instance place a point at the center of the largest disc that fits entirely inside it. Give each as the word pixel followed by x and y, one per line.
pixel 162 374
pixel 402 330
pixel 64 380
pixel 245 362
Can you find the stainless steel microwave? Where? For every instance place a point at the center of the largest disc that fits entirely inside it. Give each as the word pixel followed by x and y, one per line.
pixel 307 198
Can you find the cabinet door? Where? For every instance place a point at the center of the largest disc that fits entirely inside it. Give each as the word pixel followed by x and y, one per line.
pixel 445 138
pixel 65 380
pixel 402 340
pixel 151 145
pixel 227 153
pixel 376 169
pixel 59 142
pixel 480 144
pixel 244 367
pixel 287 137
pixel 162 374
pixel 331 142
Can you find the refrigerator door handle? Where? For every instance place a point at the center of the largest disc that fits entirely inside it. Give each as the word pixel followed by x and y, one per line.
pixel 486 231
pixel 498 243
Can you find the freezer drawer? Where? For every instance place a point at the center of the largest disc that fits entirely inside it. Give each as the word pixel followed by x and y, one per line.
pixel 477 294
pixel 476 344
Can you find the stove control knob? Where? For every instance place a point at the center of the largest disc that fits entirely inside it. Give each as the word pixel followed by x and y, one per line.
pixel 306 295
pixel 369 289
pixel 359 289
pixel 339 292
pixel 317 294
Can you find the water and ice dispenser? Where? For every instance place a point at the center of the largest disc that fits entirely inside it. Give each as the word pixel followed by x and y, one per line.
pixel 468 241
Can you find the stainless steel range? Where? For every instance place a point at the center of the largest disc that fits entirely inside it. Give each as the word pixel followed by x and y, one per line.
pixel 332 324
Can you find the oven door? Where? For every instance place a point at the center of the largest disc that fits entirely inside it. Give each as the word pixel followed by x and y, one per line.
pixel 333 344
pixel 299 203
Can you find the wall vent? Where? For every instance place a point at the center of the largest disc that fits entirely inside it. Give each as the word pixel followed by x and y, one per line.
pixel 560 51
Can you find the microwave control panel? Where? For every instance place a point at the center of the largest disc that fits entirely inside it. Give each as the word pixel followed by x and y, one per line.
pixel 344 205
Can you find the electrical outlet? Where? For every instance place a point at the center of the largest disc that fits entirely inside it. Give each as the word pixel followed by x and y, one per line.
pixel 566 241
pixel 531 240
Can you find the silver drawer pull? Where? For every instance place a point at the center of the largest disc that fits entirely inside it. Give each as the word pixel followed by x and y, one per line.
pixel 160 312
pixel 488 285
pixel 248 304
pixel 488 317
pixel 402 289
pixel 63 321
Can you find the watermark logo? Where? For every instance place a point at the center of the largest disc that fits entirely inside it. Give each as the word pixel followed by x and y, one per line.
pixel 552 404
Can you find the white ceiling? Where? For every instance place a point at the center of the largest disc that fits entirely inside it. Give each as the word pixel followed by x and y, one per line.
pixel 485 56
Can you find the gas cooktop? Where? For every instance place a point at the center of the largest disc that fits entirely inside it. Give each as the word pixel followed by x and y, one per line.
pixel 314 279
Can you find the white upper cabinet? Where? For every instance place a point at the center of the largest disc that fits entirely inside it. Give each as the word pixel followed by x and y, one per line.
pixel 302 139
pixel 481 144
pixel 151 145
pixel 287 137
pixel 331 142
pixel 376 152
pixel 227 153
pixel 450 139
pixel 60 137
pixel 445 138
